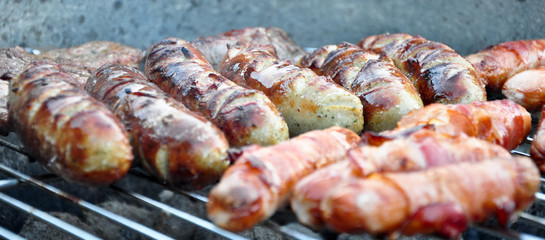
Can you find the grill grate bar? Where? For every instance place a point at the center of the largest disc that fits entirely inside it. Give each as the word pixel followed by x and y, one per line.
pixel 506 234
pixel 531 218
pixel 181 214
pixel 66 227
pixel 88 206
pixel 520 153
pixel 6 234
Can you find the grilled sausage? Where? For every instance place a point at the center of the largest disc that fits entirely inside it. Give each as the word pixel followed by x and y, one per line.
pixel 307 101
pixel 527 88
pixel 498 63
pixel 442 200
pixel 537 148
pixel 420 150
pixel 501 121
pixel 177 146
pixel 315 59
pixel 214 47
pixel 245 116
pixel 68 131
pixel 386 94
pixel 439 73
pixel 261 179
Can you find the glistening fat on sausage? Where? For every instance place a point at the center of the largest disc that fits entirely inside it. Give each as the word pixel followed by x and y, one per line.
pixel 246 116
pixel 68 131
pixel 176 145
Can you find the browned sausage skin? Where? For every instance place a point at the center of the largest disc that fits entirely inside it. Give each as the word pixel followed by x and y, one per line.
pixel 439 73
pixel 386 94
pixel 261 179
pixel 245 116
pixel 177 146
pixel 498 63
pixel 68 131
pixel 306 100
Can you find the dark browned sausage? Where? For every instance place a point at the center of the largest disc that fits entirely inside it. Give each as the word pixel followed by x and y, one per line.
pixel 68 131
pixel 307 101
pixel 438 72
pixel 177 146
pixel 245 116
pixel 214 47
pixel 386 94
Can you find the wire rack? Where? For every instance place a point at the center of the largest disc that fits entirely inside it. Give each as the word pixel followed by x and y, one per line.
pixel 284 230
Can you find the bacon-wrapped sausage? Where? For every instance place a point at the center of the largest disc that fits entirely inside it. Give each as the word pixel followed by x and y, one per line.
pixel 439 73
pixel 537 148
pixel 442 200
pixel 498 63
pixel 420 150
pixel 386 94
pixel 261 179
pixel 245 116
pixel 307 101
pixel 214 47
pixel 176 145
pixel 527 88
pixel 501 121
pixel 68 131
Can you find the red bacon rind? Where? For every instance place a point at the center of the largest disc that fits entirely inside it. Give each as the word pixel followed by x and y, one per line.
pixel 68 131
pixel 176 145
pixel 439 73
pixel 421 150
pixel 442 200
pixel 260 181
pixel 498 63
pixel 501 121
pixel 245 116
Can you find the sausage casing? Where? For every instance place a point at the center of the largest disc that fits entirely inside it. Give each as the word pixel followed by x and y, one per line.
pixel 442 200
pixel 500 121
pixel 439 73
pixel 176 145
pixel 245 116
pixel 498 63
pixel 307 101
pixel 68 131
pixel 527 88
pixel 386 94
pixel 261 179
pixel 422 149
pixel 214 47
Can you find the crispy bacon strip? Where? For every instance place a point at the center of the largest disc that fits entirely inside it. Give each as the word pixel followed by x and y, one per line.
pixel 498 63
pixel 260 181
pixel 245 116
pixel 439 73
pixel 442 200
pixel 68 131
pixel 501 121
pixel 386 94
pixel 422 149
pixel 527 88
pixel 176 145
pixel 307 101
pixel 537 148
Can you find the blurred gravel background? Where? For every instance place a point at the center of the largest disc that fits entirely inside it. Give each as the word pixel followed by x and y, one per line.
pixel 465 25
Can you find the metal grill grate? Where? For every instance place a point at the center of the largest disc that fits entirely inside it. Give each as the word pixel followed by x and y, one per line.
pixel 19 179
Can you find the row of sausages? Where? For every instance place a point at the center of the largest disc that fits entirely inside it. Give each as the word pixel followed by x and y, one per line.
pixel 180 116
